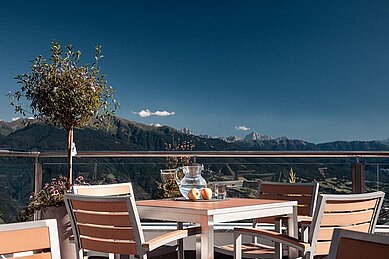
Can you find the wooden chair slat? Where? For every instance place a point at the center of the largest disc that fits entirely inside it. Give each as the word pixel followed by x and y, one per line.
pixel 338 206
pixel 117 220
pixel 325 233
pixel 35 256
pixel 361 249
pixel 322 248
pixel 104 190
pixel 269 220
pixel 24 240
pixel 346 219
pixel 287 189
pixel 303 210
pixel 358 245
pixel 124 233
pixel 303 200
pixel 105 246
pixel 100 206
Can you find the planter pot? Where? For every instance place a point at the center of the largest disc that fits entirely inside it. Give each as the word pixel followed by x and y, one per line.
pixel 68 249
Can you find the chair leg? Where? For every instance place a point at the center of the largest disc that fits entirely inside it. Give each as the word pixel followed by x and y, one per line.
pixel 237 246
pixel 308 255
pixel 80 254
pixel 304 234
pixel 278 246
pixel 198 246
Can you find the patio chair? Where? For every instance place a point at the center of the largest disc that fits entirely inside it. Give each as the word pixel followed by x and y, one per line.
pixel 306 196
pixel 35 239
pixel 304 193
pixel 358 212
pixel 110 224
pixel 103 190
pixel 357 245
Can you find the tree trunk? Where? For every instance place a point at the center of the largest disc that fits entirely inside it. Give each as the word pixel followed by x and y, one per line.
pixel 70 158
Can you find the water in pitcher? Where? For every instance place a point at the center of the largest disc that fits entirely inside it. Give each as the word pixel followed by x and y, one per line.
pixel 192 179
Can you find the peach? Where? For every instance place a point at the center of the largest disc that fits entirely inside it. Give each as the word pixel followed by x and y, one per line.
pixel 206 193
pixel 194 194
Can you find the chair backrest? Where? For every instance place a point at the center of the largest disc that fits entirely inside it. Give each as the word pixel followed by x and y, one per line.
pixel 304 193
pixel 38 236
pixel 108 224
pixel 358 212
pixel 357 245
pixel 103 190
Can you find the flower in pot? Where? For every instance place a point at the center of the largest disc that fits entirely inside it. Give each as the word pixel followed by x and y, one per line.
pixel 51 195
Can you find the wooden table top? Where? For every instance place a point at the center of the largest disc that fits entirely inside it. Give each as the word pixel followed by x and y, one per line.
pixel 210 205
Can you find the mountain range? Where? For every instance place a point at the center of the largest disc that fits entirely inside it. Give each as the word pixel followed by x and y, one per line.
pixel 31 134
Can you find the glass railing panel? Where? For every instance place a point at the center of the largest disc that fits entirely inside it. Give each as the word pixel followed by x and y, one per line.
pixel 16 184
pixel 334 175
pixel 377 179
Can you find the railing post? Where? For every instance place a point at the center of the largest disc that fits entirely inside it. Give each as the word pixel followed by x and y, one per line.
pixel 358 177
pixel 378 176
pixel 38 174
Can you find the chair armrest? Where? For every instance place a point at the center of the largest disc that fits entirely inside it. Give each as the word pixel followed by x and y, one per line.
pixel 170 237
pixel 274 236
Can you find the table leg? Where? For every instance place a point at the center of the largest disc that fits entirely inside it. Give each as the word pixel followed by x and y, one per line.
pixel 292 231
pixel 180 242
pixel 207 237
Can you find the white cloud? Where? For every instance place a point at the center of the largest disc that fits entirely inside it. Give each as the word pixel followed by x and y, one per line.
pixel 144 113
pixel 163 113
pixel 157 125
pixel 148 113
pixel 244 128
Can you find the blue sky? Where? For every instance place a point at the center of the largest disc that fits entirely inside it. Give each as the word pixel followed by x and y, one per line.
pixel 311 70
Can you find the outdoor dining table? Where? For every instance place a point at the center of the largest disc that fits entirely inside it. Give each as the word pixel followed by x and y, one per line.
pixel 208 213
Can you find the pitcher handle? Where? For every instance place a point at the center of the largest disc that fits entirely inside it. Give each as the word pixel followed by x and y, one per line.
pixel 178 181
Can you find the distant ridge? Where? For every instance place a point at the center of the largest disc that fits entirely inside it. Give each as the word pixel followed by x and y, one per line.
pixel 30 134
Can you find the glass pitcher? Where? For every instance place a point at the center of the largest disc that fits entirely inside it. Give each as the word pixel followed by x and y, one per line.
pixel 192 178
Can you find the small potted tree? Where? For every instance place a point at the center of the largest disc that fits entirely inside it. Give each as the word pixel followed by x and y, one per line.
pixel 62 92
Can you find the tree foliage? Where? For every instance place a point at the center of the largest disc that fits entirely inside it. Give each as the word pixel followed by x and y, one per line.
pixel 63 92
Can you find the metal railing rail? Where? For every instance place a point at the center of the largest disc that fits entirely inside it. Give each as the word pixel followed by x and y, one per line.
pixel 225 154
pixel 13 153
pixel 210 154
